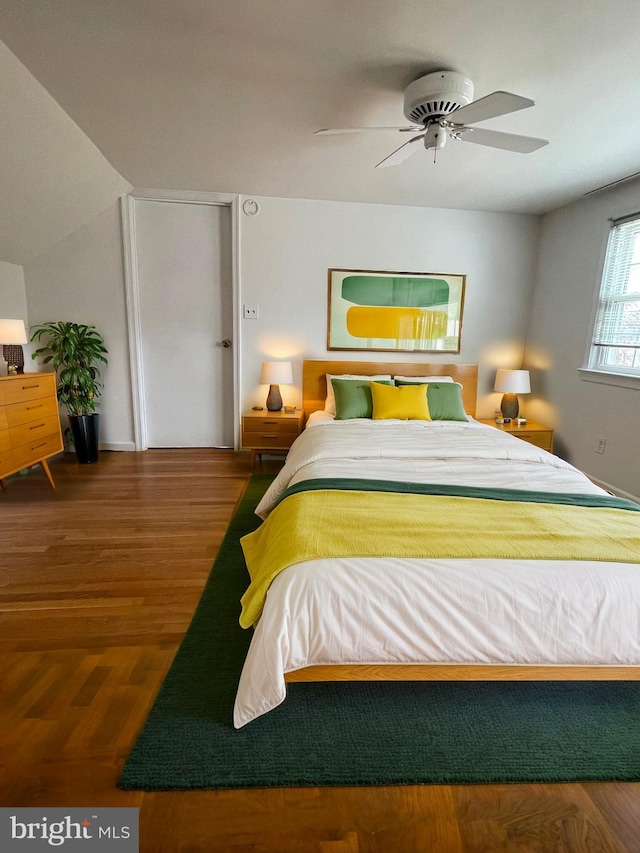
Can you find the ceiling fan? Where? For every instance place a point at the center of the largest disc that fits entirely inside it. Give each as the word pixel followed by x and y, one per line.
pixel 441 106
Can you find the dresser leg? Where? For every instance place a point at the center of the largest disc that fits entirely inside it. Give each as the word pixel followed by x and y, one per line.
pixel 1 484
pixel 45 468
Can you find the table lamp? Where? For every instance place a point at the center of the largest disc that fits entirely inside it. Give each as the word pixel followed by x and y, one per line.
pixel 12 335
pixel 511 383
pixel 274 374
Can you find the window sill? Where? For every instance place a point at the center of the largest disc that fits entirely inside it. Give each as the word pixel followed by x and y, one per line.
pixel 623 380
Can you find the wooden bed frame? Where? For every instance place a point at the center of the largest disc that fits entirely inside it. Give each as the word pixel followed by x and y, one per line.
pixel 314 382
pixel 314 389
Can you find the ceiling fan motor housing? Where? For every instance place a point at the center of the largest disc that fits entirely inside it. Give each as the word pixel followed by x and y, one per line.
pixel 435 95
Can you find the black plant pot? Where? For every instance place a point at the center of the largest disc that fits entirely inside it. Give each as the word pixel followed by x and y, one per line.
pixel 84 429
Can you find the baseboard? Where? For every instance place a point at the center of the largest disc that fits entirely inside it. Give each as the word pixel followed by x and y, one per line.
pixel 614 489
pixel 117 445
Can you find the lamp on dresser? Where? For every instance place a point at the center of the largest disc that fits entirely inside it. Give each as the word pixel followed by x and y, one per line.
pixel 12 335
pixel 511 383
pixel 274 374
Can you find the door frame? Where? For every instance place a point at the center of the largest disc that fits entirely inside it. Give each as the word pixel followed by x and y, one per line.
pixel 132 295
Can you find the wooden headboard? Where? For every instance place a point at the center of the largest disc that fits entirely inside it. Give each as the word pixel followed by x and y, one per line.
pixel 314 383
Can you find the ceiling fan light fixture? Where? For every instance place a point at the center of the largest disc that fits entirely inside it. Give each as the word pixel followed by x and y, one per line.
pixel 441 104
pixel 435 137
pixel 436 95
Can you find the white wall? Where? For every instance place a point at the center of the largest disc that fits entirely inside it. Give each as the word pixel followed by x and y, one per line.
pixel 288 247
pixel 573 242
pixel 13 299
pixel 82 280
pixel 13 306
pixel 285 252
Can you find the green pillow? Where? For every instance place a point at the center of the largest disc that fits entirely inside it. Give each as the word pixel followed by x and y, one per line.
pixel 444 399
pixel 353 397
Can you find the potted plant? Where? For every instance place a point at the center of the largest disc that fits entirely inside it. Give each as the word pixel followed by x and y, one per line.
pixel 75 352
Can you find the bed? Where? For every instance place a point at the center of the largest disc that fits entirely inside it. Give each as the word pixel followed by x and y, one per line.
pixel 480 556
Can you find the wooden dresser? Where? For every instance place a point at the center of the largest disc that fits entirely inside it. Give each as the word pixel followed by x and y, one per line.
pixel 29 423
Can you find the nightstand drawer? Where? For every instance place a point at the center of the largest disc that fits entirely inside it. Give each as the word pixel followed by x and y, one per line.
pixel 540 439
pixel 270 425
pixel 266 440
pixel 531 432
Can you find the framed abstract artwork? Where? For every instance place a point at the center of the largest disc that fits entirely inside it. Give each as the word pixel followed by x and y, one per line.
pixel 395 311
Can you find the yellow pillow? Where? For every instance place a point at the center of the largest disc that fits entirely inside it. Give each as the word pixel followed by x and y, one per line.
pixel 407 402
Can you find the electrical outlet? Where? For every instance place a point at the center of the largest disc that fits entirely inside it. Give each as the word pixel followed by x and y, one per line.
pixel 250 312
pixel 602 443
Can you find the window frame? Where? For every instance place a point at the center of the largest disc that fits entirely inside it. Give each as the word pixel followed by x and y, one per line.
pixel 596 368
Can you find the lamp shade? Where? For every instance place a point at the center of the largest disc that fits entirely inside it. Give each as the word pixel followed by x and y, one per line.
pixel 13 332
pixel 276 373
pixel 512 381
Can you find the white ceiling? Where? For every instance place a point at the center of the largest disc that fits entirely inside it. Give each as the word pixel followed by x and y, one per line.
pixel 224 95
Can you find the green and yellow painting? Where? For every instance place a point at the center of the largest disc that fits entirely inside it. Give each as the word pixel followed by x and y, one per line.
pixel 395 311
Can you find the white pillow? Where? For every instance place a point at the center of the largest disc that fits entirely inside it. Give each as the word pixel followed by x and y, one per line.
pixel 330 402
pixel 425 378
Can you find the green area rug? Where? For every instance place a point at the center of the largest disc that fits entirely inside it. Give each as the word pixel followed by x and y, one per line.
pixel 366 733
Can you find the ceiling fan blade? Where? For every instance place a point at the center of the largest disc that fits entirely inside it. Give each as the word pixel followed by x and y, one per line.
pixel 506 141
pixel 400 154
pixel 495 104
pixel 333 131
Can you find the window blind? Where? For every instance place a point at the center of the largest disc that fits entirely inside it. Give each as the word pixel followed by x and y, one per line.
pixel 616 338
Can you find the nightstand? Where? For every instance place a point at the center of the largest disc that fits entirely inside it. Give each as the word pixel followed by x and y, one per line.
pixel 267 432
pixel 532 432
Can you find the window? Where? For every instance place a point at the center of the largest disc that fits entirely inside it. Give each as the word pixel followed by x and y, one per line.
pixel 616 336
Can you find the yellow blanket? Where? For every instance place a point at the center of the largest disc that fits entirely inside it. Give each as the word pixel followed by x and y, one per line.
pixel 319 524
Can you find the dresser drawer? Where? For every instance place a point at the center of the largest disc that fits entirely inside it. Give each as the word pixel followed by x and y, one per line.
pixel 34 431
pixel 31 410
pixel 6 462
pixel 29 422
pixel 271 425
pixel 36 449
pixel 30 386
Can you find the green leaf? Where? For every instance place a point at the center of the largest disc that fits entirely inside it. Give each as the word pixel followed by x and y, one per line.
pixel 74 350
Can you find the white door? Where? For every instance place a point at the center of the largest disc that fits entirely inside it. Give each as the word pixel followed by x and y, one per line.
pixel 186 319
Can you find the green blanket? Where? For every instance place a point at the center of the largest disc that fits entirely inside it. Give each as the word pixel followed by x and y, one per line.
pixel 362 485
pixel 324 523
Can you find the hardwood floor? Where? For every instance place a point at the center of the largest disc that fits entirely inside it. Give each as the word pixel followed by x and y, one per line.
pixel 98 581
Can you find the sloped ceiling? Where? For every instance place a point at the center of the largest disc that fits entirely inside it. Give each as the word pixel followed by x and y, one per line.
pixel 52 177
pixel 224 95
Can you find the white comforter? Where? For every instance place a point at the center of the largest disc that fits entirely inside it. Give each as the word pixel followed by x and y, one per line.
pixel 434 611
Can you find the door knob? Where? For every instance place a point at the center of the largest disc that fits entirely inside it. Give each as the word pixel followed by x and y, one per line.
pixel 226 343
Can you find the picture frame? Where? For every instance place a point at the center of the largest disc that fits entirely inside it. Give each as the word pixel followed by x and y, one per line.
pixel 384 311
